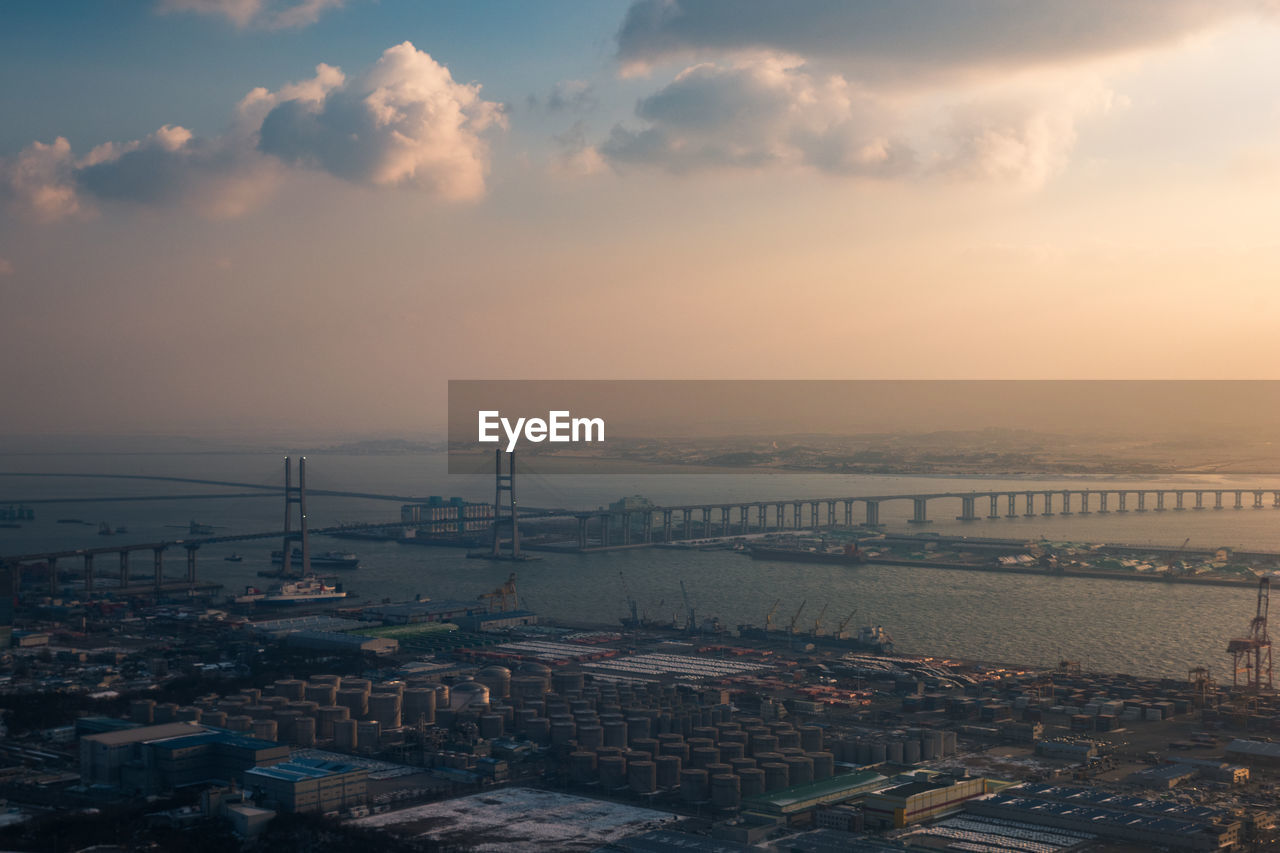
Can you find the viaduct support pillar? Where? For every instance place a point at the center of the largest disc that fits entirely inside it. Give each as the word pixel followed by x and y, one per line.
pixel 1066 502
pixel 966 510
pixel 873 514
pixel 1048 503
pixel 995 507
pixel 1084 503
pixel 921 511
pixel 1011 511
pixel 582 532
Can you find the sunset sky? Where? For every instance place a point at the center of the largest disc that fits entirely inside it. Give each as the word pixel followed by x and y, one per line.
pixel 238 216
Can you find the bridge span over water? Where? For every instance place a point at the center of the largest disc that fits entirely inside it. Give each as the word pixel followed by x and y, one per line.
pixel 632 526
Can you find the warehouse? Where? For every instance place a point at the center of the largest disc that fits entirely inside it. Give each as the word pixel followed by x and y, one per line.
pixel 795 805
pixel 309 786
pixel 918 801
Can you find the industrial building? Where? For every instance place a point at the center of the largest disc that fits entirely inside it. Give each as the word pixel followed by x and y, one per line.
pixel 309 785
pixel 152 759
pixel 795 804
pixel 919 800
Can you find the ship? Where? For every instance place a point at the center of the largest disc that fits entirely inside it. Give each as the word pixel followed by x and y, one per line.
pixel 327 560
pixel 308 590
pixel 234 558
pixel 849 554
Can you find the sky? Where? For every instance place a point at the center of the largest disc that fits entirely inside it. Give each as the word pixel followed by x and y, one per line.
pixel 243 217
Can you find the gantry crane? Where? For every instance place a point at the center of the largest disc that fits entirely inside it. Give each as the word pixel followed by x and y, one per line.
pixel 1251 654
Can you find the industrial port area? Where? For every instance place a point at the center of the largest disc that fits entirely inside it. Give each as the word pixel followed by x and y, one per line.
pixel 474 725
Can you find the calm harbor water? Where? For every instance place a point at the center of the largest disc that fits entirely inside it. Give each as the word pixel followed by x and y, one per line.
pixel 1148 629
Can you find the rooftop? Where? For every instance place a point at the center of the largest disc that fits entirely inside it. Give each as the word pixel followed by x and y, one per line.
pixel 833 787
pixel 145 733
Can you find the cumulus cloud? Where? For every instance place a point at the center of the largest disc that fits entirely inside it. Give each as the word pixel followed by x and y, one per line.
pixel 404 123
pixel 1022 140
pixel 269 14
pixel 909 39
pixel 758 113
pixel 40 181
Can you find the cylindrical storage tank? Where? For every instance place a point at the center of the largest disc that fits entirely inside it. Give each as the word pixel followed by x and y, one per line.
pixel 327 716
pixel 217 719
pixel 419 701
pixel 895 751
pixel 703 755
pixel 710 733
pixel 637 728
pixel 258 712
pixel 879 752
pixel 538 730
pixel 308 709
pixel 335 680
pixel 369 735
pixel 396 687
pixel 562 733
pixel 613 771
pixel 275 703
pixel 669 768
pixel 789 740
pixel 776 775
pixel 239 723
pixel 862 752
pixel 615 734
pixel 824 765
pixel 497 679
pixel 304 731
pixel 582 767
pixel 253 694
pixel 385 708
pixel 642 777
pixel 468 694
pixel 679 749
pixel 810 738
pixel 717 768
pixel 694 787
pixel 321 694
pixel 740 764
pixel 751 783
pixel 948 741
pixel 730 751
pixel 529 669
pixel 568 682
pixel 910 752
pixel 231 704
pixel 646 744
pixel 290 688
pixel 700 742
pixel 264 729
pixel 725 791
pixel 929 748
pixel 187 714
pixel 166 713
pixel 354 700
pixel 591 737
pixel 490 726
pixel 346 735
pixel 526 689
pixel 763 743
pixel 352 683
pixel 142 711
pixel 285 720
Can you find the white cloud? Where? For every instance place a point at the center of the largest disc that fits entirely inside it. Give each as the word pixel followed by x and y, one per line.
pixel 404 123
pixel 269 14
pixel 40 181
pixel 766 111
pixel 1024 139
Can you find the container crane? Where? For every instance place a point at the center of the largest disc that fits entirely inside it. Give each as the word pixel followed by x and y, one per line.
pixel 1251 654
pixel 840 631
pixel 791 629
pixel 768 617
pixel 817 623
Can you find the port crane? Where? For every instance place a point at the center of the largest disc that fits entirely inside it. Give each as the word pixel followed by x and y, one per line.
pixel 840 632
pixel 499 598
pixel 1251 654
pixel 631 602
pixel 768 617
pixel 1173 558
pixel 817 622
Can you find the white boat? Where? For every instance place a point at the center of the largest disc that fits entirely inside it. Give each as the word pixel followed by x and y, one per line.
pixel 308 590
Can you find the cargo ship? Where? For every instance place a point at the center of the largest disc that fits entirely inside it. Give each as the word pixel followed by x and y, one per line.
pixel 848 554
pixel 327 560
pixel 308 590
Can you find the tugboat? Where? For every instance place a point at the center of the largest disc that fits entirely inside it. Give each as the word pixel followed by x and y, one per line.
pixel 234 558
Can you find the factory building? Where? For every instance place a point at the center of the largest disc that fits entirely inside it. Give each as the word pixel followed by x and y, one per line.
pixel 153 759
pixel 920 800
pixel 309 786
pixel 796 804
